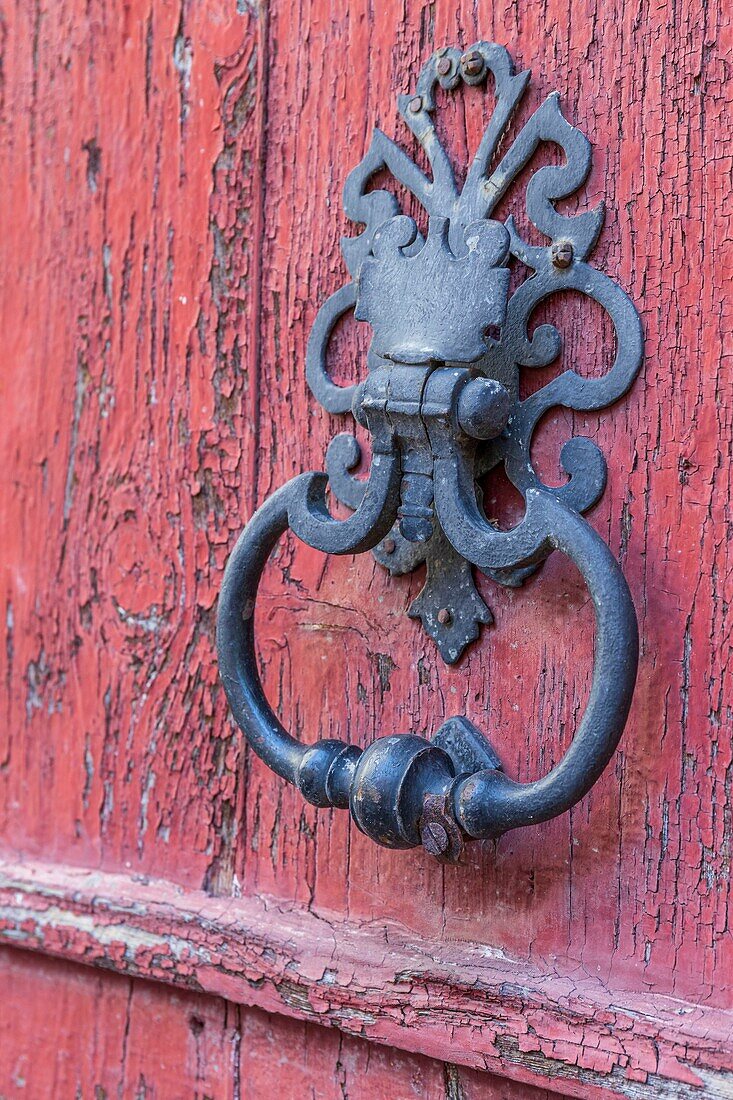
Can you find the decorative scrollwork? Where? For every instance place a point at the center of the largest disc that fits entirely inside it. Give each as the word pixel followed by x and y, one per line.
pixel 561 265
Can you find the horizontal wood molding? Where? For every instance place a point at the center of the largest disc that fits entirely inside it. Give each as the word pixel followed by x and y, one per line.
pixel 461 1002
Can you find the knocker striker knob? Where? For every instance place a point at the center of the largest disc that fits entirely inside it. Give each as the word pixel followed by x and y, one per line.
pixel 440 404
pixel 391 781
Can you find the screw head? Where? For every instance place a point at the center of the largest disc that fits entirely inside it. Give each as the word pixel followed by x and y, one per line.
pixel 389 546
pixel 472 63
pixel 561 254
pixel 415 104
pixel 440 834
pixel 434 838
pixel 444 66
pixel 444 616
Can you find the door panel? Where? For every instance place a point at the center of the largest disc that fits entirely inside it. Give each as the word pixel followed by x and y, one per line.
pixel 173 209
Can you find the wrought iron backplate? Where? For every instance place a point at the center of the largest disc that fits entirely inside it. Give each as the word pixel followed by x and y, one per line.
pixel 443 302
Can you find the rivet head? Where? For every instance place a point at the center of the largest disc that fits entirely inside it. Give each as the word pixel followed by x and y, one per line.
pixel 415 104
pixel 444 66
pixel 444 616
pixel 389 546
pixel 434 838
pixel 472 63
pixel 561 254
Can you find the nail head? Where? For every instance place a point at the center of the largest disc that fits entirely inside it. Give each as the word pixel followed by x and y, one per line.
pixel 562 254
pixel 472 63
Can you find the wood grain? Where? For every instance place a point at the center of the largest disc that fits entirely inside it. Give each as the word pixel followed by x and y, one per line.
pixel 172 176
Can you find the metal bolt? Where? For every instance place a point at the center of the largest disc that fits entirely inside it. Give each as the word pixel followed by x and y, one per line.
pixel 415 104
pixel 389 546
pixel 562 254
pixel 444 66
pixel 444 616
pixel 472 63
pixel 434 838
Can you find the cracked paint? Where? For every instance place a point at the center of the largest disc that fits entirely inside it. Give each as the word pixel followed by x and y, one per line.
pixel 166 244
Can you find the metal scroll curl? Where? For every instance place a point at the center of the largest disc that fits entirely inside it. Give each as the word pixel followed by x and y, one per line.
pixel 561 265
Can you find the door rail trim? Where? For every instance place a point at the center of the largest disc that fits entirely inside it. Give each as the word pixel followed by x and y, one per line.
pixel 470 1005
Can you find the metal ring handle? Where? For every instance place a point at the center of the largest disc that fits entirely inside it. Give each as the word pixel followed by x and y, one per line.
pixel 389 785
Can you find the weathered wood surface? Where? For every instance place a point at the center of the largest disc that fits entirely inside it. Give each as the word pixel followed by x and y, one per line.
pixel 97 1043
pixel 471 1005
pixel 172 178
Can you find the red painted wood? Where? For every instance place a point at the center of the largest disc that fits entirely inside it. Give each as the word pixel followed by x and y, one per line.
pixel 111 1036
pixel 471 1005
pixel 172 178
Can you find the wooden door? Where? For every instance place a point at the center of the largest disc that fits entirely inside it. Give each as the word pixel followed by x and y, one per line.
pixel 176 920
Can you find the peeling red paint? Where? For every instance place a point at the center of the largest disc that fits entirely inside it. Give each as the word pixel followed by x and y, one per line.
pixel 172 176
pixel 377 981
pixel 202 1044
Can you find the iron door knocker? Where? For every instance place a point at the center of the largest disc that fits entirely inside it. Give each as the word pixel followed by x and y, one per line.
pixel 441 404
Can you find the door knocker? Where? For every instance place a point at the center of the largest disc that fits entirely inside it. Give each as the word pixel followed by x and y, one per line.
pixel 440 401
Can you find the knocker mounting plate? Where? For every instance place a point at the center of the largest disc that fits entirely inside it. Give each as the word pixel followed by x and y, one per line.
pixel 435 300
pixel 440 400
